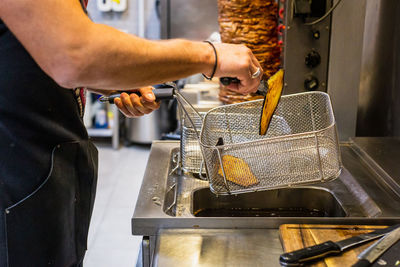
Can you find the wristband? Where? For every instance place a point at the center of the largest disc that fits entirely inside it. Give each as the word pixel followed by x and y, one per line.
pixel 215 64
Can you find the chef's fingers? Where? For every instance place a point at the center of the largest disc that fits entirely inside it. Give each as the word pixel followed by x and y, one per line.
pixel 233 87
pixel 121 107
pixel 150 106
pixel 245 86
pixel 254 68
pixel 126 101
pixel 147 110
pixel 258 68
pixel 133 104
pixel 237 61
pixel 147 94
pixel 147 100
pixel 257 65
pixel 248 83
pixel 138 104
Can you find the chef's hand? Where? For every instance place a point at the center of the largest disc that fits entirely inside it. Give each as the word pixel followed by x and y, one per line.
pixel 239 62
pixel 133 106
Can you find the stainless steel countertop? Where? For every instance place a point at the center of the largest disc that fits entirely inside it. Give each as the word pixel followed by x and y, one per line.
pixel 217 247
pixel 383 153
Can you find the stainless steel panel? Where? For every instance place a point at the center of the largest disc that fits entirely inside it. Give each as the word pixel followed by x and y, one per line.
pixel 218 247
pixel 345 63
pixel 379 93
pixel 298 42
pixel 191 19
pixel 395 105
pixel 364 68
pixel 145 249
pixel 378 151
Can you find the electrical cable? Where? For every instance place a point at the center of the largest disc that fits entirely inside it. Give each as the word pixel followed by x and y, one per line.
pixel 324 16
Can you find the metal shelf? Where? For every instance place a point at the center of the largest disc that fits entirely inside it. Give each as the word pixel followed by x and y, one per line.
pixel 112 132
pixel 95 132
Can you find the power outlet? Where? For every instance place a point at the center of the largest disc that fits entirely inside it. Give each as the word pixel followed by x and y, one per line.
pixel 104 5
pixel 119 5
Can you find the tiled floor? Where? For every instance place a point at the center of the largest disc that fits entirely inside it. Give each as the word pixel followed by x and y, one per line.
pixel 120 176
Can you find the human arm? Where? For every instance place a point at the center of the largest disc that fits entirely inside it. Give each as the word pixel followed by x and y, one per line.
pixel 76 52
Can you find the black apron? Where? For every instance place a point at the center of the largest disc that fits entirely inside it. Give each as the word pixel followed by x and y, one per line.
pixel 48 166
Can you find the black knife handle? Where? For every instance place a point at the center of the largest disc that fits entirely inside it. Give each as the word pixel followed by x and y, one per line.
pixel 228 80
pixel 362 263
pixel 160 94
pixel 297 257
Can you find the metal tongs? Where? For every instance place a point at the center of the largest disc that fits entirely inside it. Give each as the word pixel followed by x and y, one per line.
pixel 160 94
pixel 271 89
pixel 169 91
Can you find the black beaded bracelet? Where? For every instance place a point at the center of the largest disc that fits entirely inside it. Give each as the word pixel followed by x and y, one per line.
pixel 215 64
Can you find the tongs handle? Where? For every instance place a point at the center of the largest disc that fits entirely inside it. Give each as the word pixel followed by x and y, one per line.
pixel 160 94
pixel 228 80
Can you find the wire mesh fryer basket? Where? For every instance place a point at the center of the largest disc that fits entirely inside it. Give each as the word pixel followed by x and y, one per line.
pixel 300 147
pixel 191 155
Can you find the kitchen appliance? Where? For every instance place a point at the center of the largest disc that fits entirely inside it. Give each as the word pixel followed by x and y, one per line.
pixel 306 47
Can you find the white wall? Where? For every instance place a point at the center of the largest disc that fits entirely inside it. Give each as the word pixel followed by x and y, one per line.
pixel 126 21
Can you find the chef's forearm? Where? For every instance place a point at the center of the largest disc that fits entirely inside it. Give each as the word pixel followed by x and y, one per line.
pixel 77 52
pixel 114 60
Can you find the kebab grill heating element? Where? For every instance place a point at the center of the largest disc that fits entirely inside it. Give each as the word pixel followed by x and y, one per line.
pixel 301 145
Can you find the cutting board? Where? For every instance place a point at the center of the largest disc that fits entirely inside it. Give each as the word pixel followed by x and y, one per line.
pixel 297 236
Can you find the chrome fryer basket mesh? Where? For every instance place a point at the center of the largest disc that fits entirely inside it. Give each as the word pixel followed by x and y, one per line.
pixel 191 156
pixel 300 147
